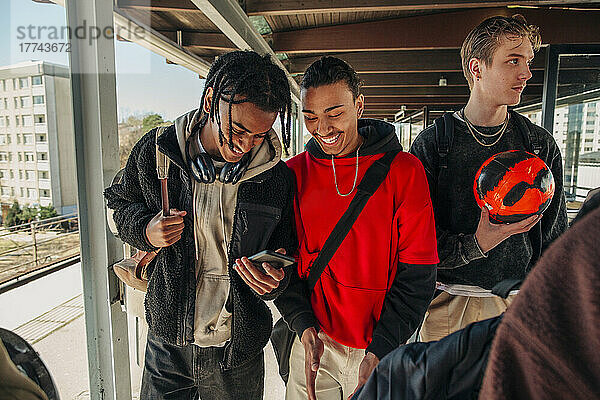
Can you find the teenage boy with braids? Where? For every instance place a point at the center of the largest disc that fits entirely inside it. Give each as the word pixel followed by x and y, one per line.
pixel 375 290
pixel 476 254
pixel 231 197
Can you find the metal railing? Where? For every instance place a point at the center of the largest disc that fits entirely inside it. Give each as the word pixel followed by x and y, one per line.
pixel 35 245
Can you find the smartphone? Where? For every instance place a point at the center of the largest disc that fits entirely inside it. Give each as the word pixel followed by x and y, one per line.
pixel 275 259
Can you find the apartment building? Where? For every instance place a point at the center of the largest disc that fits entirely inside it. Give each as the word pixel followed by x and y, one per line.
pixel 585 120
pixel 37 149
pixel 577 133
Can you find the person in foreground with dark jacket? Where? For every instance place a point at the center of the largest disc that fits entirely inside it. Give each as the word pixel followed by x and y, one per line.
pixel 449 369
pixel 548 344
pixel 373 293
pixel 232 197
pixel 475 253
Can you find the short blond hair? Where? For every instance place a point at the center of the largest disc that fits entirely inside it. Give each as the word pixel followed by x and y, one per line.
pixel 486 37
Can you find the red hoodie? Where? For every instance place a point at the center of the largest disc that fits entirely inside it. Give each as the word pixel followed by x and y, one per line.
pixel 396 225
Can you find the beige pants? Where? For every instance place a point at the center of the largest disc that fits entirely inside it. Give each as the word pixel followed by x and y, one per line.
pixel 337 376
pixel 448 313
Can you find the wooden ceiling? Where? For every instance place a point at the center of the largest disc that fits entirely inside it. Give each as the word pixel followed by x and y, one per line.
pixel 400 49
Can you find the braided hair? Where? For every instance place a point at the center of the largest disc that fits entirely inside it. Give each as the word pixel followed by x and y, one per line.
pixel 246 76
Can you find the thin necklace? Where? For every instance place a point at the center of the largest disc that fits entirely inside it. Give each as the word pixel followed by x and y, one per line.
pixel 472 130
pixel 355 176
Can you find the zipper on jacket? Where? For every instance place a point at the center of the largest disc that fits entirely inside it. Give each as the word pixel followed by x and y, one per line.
pixel 186 299
pixel 226 363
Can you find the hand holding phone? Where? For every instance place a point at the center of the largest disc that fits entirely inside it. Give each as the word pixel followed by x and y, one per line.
pixel 258 272
pixel 276 260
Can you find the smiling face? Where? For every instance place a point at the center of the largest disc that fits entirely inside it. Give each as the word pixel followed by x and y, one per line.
pixel 331 116
pixel 505 78
pixel 250 126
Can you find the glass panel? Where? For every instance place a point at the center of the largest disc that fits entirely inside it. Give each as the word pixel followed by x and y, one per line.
pixel 409 127
pixel 577 125
pixel 34 74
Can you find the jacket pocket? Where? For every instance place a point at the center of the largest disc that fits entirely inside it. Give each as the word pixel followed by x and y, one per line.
pixel 212 320
pixel 254 227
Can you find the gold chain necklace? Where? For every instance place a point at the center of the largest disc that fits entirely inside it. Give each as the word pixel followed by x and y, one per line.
pixel 355 176
pixel 472 130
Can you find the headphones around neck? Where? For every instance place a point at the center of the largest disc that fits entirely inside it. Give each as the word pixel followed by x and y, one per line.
pixel 203 168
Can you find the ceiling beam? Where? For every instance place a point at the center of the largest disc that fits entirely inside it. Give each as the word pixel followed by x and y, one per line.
pixel 376 106
pixel 390 100
pixel 235 24
pixel 440 30
pixel 391 61
pixel 406 100
pixel 291 7
pixel 205 40
pixel 444 60
pixel 436 91
pixel 409 79
pixel 432 79
pixel 148 38
pixel 134 31
pixel 158 5
pixel 414 100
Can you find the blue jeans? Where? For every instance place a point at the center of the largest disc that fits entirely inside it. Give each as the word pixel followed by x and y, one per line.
pixel 192 372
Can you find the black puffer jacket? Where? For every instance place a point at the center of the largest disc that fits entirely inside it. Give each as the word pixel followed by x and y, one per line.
pixel 263 220
pixel 449 369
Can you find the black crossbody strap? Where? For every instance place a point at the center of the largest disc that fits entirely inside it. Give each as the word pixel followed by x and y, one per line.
pixel 368 185
pixel 525 126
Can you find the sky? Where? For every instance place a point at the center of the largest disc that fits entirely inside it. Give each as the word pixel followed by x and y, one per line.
pixel 145 82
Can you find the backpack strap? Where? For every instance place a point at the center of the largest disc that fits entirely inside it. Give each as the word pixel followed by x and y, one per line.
pixel 162 171
pixel 444 134
pixel 527 129
pixel 162 161
pixel 368 185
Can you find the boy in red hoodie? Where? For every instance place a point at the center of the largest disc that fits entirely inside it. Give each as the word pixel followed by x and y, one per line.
pixel 374 292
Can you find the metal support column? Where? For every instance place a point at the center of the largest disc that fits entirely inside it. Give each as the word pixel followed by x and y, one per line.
pixel 573 148
pixel 425 117
pixel 93 88
pixel 550 87
pixel 232 20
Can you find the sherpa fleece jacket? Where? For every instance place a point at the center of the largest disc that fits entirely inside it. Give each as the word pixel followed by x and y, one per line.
pixel 263 220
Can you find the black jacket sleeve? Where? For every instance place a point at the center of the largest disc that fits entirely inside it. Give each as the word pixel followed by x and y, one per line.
pixel 284 235
pixel 404 307
pixel 131 209
pixel 294 305
pixel 451 368
pixel 454 249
